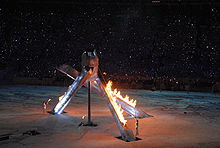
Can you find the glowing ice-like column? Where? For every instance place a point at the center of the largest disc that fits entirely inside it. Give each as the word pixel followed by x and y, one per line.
pixel 77 84
pixel 136 113
pixel 126 133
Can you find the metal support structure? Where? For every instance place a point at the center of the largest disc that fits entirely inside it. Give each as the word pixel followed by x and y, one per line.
pixel 137 127
pixel 89 122
pixel 89 104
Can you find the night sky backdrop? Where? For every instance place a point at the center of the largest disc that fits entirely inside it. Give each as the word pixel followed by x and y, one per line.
pixel 156 39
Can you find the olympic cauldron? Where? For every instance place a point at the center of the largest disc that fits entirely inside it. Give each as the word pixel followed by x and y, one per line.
pixel 116 103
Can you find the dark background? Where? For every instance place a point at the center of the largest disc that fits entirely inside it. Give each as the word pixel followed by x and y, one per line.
pixel 175 38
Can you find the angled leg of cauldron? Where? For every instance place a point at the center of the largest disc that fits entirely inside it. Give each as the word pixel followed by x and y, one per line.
pixel 126 133
pixel 73 88
pixel 134 112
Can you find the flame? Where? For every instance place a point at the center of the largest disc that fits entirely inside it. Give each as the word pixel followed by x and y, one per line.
pixel 116 94
pixel 119 111
pixel 48 100
pixel 60 98
pixel 83 117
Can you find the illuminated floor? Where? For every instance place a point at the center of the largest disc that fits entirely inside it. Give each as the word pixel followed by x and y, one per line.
pixel 180 119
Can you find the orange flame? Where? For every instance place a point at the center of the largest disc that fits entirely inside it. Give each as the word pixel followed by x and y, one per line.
pixel 119 111
pixel 48 101
pixel 60 98
pixel 116 94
